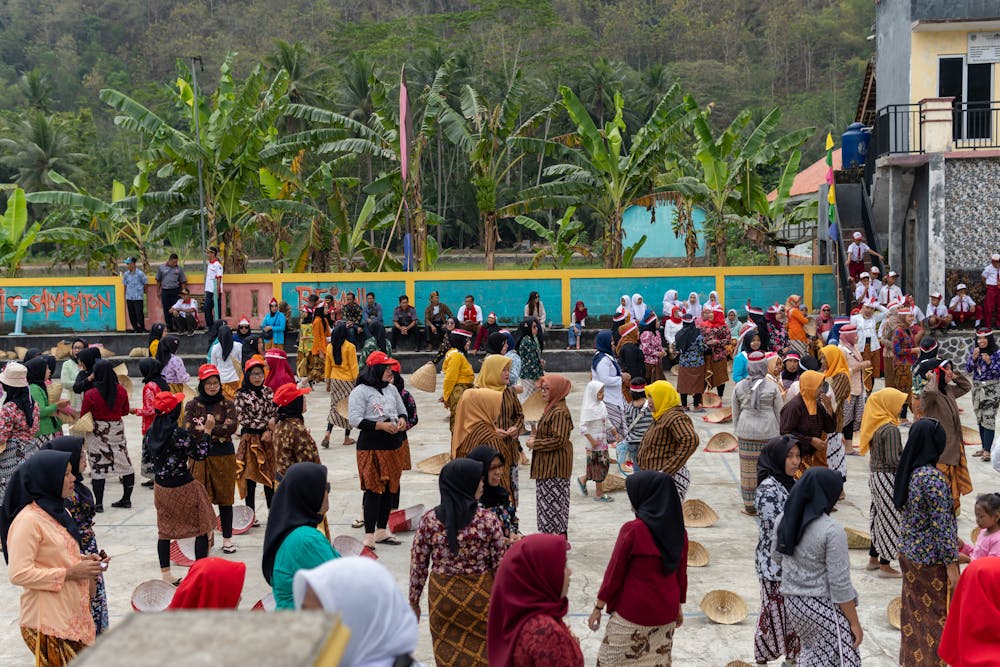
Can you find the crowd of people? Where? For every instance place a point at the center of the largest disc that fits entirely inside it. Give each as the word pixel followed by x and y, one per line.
pixel 802 400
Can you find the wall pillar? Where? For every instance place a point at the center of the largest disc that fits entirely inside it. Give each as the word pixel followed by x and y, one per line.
pixel 936 217
pixel 936 123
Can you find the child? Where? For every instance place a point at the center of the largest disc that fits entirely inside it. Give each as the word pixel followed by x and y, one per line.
pixel 638 419
pixel 594 426
pixel 652 348
pixel 988 520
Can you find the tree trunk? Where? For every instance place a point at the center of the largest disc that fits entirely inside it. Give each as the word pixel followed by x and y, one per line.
pixel 489 225
pixel 613 242
pixel 720 241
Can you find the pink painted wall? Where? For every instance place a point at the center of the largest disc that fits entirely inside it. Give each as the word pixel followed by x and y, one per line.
pixel 239 299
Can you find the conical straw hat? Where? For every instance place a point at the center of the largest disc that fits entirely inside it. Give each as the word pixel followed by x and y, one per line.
pixel 62 350
pixel 534 407
pixel 970 437
pixel 106 353
pixel 614 482
pixel 85 424
pixel 697 514
pixel 711 400
pixel 54 390
pixel 188 392
pixel 719 416
pixel 857 539
pixel 20 351
pixel 975 534
pixel 697 554
pixel 152 596
pixel 121 369
pixel 424 378
pixel 724 607
pixel 722 442
pixel 894 612
pixel 432 465
pixel 138 352
pixel 739 663
pixel 11 355
pixel 342 407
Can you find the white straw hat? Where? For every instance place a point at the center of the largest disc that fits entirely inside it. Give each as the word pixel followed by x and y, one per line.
pixel 14 374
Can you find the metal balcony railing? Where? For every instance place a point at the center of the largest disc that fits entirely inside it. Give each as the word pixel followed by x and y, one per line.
pixel 899 128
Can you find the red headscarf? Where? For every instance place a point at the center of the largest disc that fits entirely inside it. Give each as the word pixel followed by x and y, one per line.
pixel 528 583
pixel 675 314
pixel 580 311
pixel 211 583
pixel 717 319
pixel 558 386
pixel 970 638
pixel 280 372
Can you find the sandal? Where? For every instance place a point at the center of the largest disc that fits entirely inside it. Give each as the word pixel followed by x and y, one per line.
pixel 349 441
pixel 177 582
pixel 604 499
pixel 325 443
pixel 358 523
pixel 229 549
pixel 582 485
pixel 392 539
pixel 986 457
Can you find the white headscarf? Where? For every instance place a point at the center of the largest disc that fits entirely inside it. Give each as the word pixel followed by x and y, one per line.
pixel 625 307
pixel 693 308
pixel 592 409
pixel 370 603
pixel 717 306
pixel 669 301
pixel 638 309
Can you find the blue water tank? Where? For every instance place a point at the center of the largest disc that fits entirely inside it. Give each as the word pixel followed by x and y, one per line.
pixel 854 145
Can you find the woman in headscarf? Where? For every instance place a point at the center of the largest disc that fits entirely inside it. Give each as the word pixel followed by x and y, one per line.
pixel 532 365
pixel 459 545
pixel 293 540
pixel 173 371
pixel 365 596
pixel 227 357
pixel 450 325
pixel 777 332
pixel 253 346
pixel 490 327
pixel 604 368
pixel 211 583
pixel 983 361
pixel 651 345
pixel 716 336
pixel 85 359
pixel 639 309
pixel 645 582
pixel 940 401
pixel 747 341
pixel 457 372
pixel 412 419
pixel 693 306
pixel 70 370
pixel 320 336
pixel 292 441
pixel 734 324
pixel 796 322
pixel 625 306
pixel 712 303
pixel 48 426
pixel 969 638
pixel 341 373
pixel 80 506
pixel 811 549
pixel 217 471
pixel 858 366
pixel 526 627
pixel 242 330
pixel 628 352
pixel 825 320
pixel 376 408
pixel 152 384
pixel 838 377
pixel 496 343
pixel 671 440
pixel 41 544
pixel 255 410
pixel 515 362
pixel 279 370
pixel 756 420
pixel 672 323
pixel 691 371
pixel 107 403
pixel 791 369
pixel 476 422
pixel 880 433
pixel 156 333
pixel 376 340
pixel 578 320
pixel 495 375
pixel 928 550
pixel 552 460
pixel 670 302
pixel 273 325
pixel 808 418
pixel 595 428
pixel 495 497
pixel 777 466
pixel 927 360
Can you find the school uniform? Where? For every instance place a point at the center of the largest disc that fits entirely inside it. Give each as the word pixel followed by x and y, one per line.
pixel 991 307
pixel 962 309
pixel 890 293
pixel 856 252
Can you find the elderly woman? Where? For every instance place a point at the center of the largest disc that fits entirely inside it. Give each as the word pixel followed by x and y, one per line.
pixel 645 582
pixel 777 332
pixel 476 422
pixel 939 401
pixel 107 402
pixel 859 367
pixel 809 418
pixel 526 627
pixel 756 419
pixel 459 544
pixel 671 440
pixel 41 544
pixel 18 421
pixel 811 549
pixel 552 459
pixel 495 375
pixel 928 554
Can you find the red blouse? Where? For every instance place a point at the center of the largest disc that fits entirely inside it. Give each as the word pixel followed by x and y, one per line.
pixel 94 403
pixel 545 642
pixel 146 411
pixel 634 583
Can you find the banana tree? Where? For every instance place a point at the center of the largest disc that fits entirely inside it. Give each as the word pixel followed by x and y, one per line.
pixel 561 243
pixel 17 237
pixel 774 218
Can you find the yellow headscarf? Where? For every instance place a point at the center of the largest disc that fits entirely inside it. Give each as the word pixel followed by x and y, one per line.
pixel 882 408
pixel 809 383
pixel 664 397
pixel 491 374
pixel 836 362
pixel 475 406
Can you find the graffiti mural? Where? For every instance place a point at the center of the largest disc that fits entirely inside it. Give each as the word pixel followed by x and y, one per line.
pixel 71 308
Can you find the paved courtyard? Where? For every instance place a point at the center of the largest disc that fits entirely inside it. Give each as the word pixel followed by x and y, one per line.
pixel 130 537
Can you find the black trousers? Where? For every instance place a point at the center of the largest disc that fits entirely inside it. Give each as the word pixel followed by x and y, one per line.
pixel 412 338
pixel 209 309
pixel 184 324
pixel 168 297
pixel 434 339
pixel 135 314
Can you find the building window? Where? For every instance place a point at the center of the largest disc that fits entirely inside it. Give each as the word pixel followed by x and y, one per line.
pixel 970 85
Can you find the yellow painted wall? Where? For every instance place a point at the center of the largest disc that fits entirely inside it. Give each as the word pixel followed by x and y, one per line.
pixel 925 49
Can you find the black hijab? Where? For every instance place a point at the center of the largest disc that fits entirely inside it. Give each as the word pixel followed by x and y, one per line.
pixel 372 376
pixel 809 363
pixel 814 495
pixel 761 322
pixel 167 348
pixel 458 482
pixel 248 386
pixel 493 496
pixel 524 331
pixel 924 447
pixel 298 502
pixel 791 376
pixel 106 382
pixel 21 397
pixel 152 371
pixel 771 461
pixel 337 339
pixel 991 344
pixel 748 338
pixel 32 353
pixel 160 431
pixel 495 342
pixel 377 331
pixel 87 357
pixel 226 341
pixel 291 411
pixel 203 397
pixel 686 336
pixel 36 371
pixel 654 496
pixel 156 332
pixel 50 361
pixel 73 445
pixel 251 346
pixel 38 480
pixel 928 359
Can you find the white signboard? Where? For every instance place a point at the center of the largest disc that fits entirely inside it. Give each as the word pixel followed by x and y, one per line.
pixel 984 47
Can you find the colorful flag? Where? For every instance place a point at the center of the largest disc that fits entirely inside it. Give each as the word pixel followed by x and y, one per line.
pixel 405 127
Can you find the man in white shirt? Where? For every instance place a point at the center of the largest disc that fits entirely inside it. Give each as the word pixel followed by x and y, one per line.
pixel 962 307
pixel 938 317
pixel 213 285
pixel 185 313
pixel 866 323
pixel 856 252
pixel 470 316
pixel 991 307
pixel 891 291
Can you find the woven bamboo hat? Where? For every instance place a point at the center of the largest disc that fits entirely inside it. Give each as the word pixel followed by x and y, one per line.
pixel 121 370
pixel 725 607
pixel 614 482
pixel 85 424
pixel 975 534
pixel 106 353
pixel 711 400
pixel 62 350
pixel 722 442
pixel 424 378
pixel 857 539
pixel 188 392
pixel 152 596
pixel 970 437
pixel 433 464
pixel 20 352
pixel 11 355
pixel 894 611
pixel 138 352
pixel 697 514
pixel 719 416
pixel 697 554
pixel 739 663
pixel 533 407
pixel 342 407
pixel 54 390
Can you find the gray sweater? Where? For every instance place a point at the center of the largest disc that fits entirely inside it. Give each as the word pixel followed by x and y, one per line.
pixel 368 403
pixel 761 423
pixel 821 564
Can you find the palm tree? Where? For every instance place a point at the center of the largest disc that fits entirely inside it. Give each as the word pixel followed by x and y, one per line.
pixel 36 88
pixel 598 84
pixel 302 80
pixel 40 146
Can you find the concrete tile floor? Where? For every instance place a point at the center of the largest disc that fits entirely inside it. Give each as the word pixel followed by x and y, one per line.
pixel 130 537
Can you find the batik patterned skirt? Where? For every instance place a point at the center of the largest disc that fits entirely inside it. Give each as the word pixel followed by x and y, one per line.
pixel 985 399
pixel 884 518
pixel 339 390
pixel 378 468
pixel 597 464
pixel 254 461
pixel 634 645
pixel 749 453
pixel 823 631
pixel 923 612
pixel 552 505
pixel 958 478
pixel 18 451
pixel 459 607
pixel 218 475
pixel 50 651
pixel 773 638
pixel 107 450
pixel 854 409
pixel 229 389
pixel 183 511
pixel 836 454
pixel 682 480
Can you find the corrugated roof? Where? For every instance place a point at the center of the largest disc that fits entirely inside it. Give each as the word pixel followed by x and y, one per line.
pixel 809 179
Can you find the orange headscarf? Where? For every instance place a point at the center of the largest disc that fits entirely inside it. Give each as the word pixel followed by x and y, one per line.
pixel 835 361
pixel 558 386
pixel 476 406
pixel 809 383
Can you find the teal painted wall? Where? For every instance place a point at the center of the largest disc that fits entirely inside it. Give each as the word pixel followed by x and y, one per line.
pixel 85 308
pixel 824 291
pixel 386 293
pixel 602 295
pixel 506 298
pixel 762 290
pixel 660 239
